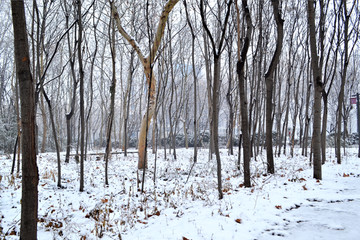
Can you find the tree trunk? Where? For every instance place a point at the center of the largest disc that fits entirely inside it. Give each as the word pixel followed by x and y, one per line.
pixel 216 86
pixel 145 123
pixel 30 176
pixel 194 78
pixel 112 100
pixel 215 119
pixel 243 97
pixel 82 111
pixel 128 98
pixel 172 118
pixel 150 77
pixel 269 81
pixel 43 115
pixel 318 86
pixel 69 114
pixel 324 126
pixel 208 87
pixel 231 108
pixel 342 86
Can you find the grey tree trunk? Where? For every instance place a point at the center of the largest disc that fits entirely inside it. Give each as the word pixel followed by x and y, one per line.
pixel 216 86
pixel 112 99
pixel 127 99
pixel 69 114
pixel 343 80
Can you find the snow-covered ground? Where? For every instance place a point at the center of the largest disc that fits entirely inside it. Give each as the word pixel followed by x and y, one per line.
pixel 287 205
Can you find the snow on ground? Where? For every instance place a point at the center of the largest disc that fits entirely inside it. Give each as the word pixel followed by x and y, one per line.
pixel 287 205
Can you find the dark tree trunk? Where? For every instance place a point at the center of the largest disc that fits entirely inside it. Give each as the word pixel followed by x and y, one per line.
pixel 230 103
pixel 195 80
pixel 82 111
pixel 30 176
pixel 216 86
pixel 215 119
pixel 318 86
pixel 269 81
pixel 55 138
pixel 112 100
pixel 14 156
pixel 243 98
pixel 73 98
pixel 345 64
pixel 127 99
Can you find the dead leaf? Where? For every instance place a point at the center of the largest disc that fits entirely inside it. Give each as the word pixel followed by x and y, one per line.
pixel 278 207
pixel 184 238
pixel 300 170
pixel 346 175
pixel 238 220
pixel 302 179
pixel 139 221
pixel 304 187
pixel 104 200
pixel 58 225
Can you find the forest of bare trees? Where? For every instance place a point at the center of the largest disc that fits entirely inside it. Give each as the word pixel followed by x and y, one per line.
pixel 266 76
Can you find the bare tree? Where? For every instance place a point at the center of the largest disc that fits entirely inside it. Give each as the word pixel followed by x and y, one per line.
pixel 345 56
pixel 217 49
pixel 193 36
pixel 243 98
pixel 269 80
pixel 81 83
pixel 147 63
pixel 318 87
pixel 30 176
pixel 69 114
pixel 112 98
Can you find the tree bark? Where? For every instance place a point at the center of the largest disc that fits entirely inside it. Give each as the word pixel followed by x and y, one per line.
pixel 318 86
pixel 127 99
pixel 30 176
pixel 82 111
pixel 269 85
pixel 112 100
pixel 243 98
pixel 216 86
pixel 69 114
pixel 230 103
pixel 342 86
pixel 55 137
